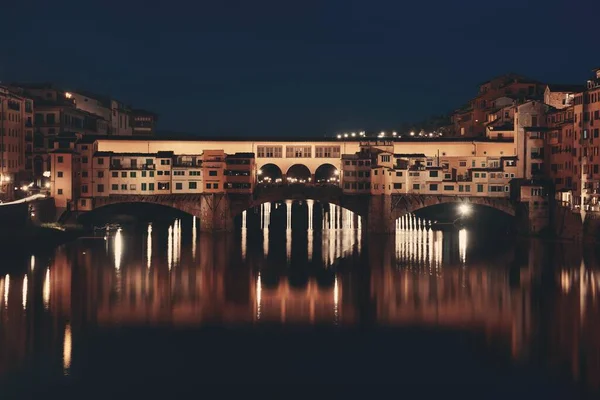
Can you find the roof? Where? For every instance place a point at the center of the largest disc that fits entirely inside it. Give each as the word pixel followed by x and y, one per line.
pixel 568 88
pixel 141 112
pixel 409 155
pixel 112 153
pixel 240 155
pixel 63 151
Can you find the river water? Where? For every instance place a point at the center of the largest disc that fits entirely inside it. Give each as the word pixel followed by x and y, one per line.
pixel 310 301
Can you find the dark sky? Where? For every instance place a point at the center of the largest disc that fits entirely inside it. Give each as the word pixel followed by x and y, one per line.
pixel 311 68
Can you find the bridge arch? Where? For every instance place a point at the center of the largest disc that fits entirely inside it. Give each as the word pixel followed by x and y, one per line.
pixel 406 204
pixel 327 173
pixel 298 173
pixel 138 207
pixel 269 173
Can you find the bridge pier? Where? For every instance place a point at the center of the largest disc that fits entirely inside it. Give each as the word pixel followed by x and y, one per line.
pixel 379 219
pixel 215 213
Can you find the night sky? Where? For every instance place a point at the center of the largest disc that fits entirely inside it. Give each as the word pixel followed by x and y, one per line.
pixel 313 68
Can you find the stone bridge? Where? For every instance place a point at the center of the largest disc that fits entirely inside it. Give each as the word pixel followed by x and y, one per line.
pixel 217 211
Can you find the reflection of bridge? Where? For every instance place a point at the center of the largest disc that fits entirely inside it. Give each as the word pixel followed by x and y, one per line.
pixel 216 211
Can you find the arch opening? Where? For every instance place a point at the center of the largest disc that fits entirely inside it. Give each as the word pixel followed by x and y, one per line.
pixel 327 174
pixel 298 173
pixel 269 173
pixel 131 213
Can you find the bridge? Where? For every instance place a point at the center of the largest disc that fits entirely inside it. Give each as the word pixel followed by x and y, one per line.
pixel 217 211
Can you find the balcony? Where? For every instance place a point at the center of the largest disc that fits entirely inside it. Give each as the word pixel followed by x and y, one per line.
pixel 537 155
pixel 142 167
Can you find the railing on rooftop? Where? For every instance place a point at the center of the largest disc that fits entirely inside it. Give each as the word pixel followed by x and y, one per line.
pixel 141 167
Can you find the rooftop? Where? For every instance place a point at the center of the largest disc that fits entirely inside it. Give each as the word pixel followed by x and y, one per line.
pixel 567 88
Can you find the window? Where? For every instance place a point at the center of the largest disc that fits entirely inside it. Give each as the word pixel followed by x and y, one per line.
pixel 397 186
pixel 298 151
pixel 84 188
pixel 208 185
pixel 83 202
pixel 151 186
pixel 416 186
pixel 269 151
pixel 433 187
pixel 114 186
pixel 479 188
pixel 144 187
pixel 59 159
pixel 84 160
pixel 195 173
pixel 327 151
pixel 433 174
pixel 149 161
pixel 167 172
pixel 193 185
pixel 123 174
pixel 178 186
pixel 100 161
pixel 496 188
pixel 398 173
pixel 151 174
pixel 60 191
pixel 212 173
pixel 385 158
pixel 165 162
pixel 132 186
pixel 467 188
pixel 483 174
pixel 115 174
pixel 132 174
pixel 536 192
pixel 159 173
pixel 59 174
pixel 163 185
pixel 447 176
pixel 476 174
pixel 462 163
pixel 448 187
pixel 461 188
pixel 124 186
pixel 143 174
pixel 100 188
pixel 215 185
pixel 178 173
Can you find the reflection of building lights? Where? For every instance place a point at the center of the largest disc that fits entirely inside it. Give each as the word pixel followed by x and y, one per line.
pixel 46 174
pixel 462 245
pixel 149 247
pixel 118 250
pixel 25 293
pixel 6 289
pixel 259 172
pixel 258 296
pixel 336 299
pixel 67 347
pixel 47 184
pixel 24 188
pixel 68 95
pixel 32 262
pixel 170 248
pixel 46 289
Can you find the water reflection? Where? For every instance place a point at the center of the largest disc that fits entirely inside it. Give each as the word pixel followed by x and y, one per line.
pixel 173 275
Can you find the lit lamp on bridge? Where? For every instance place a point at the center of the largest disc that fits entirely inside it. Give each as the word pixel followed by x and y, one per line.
pixel 464 210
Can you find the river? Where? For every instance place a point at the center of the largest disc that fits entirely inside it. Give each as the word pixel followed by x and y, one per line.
pixel 316 301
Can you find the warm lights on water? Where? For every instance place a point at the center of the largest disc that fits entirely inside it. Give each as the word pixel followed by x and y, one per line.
pixel 24 299
pixel 118 248
pixel 46 289
pixel 67 348
pixel 149 247
pixel 6 289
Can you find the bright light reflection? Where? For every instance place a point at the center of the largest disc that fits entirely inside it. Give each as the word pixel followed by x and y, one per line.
pixel 118 250
pixel 6 289
pixel 149 247
pixel 462 245
pixel 258 296
pixel 170 248
pixel 336 299
pixel 67 347
pixel 32 262
pixel 194 233
pixel 25 293
pixel 46 289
